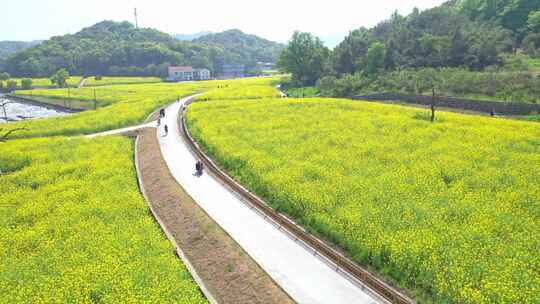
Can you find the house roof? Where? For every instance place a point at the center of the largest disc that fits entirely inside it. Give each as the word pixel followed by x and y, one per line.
pixel 180 69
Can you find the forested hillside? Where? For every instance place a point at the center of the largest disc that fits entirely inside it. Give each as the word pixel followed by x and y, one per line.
pixel 243 47
pixel 488 44
pixel 111 48
pixel 190 37
pixel 9 47
pixel 469 33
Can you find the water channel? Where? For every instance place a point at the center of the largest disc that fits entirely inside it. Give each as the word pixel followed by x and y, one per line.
pixel 11 110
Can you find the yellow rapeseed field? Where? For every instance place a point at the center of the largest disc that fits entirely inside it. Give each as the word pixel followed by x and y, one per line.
pixel 117 106
pixel 449 210
pixel 73 225
pixel 75 229
pixel 92 82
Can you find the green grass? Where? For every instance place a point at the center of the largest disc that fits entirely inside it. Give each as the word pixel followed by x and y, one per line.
pixel 448 210
pixel 303 92
pixel 75 229
pixel 92 82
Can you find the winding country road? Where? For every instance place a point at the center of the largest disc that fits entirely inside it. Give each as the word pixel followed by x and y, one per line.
pixel 304 276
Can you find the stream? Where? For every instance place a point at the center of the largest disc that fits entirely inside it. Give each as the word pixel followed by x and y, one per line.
pixel 16 111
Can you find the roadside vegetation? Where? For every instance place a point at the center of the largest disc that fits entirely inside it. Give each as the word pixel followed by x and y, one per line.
pixel 510 86
pixel 74 227
pixel 301 92
pixel 444 209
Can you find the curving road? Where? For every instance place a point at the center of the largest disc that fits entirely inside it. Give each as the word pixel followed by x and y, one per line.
pixel 305 277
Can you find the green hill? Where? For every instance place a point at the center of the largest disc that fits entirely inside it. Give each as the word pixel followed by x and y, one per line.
pixel 243 47
pixel 9 47
pixel 118 48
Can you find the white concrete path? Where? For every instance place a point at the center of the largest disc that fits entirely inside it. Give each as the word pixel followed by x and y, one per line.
pixel 123 130
pixel 303 276
pixel 81 83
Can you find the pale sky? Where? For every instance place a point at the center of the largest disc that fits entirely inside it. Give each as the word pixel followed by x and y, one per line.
pixel 275 20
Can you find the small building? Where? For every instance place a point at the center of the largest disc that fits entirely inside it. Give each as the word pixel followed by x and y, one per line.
pixel 187 73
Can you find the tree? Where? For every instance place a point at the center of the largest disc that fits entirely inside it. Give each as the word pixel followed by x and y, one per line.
pixel 60 78
pixel 26 83
pixel 430 79
pixel 305 58
pixel 5 134
pixel 458 49
pixel 4 76
pixel 345 57
pixel 533 23
pixel 327 86
pixel 511 14
pixel 531 44
pixel 11 85
pixel 390 56
pixel 375 57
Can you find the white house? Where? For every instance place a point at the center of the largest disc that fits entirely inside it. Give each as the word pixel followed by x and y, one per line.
pixel 187 73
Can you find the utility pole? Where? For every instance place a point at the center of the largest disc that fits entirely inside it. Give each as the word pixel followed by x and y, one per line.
pixel 95 99
pixel 136 21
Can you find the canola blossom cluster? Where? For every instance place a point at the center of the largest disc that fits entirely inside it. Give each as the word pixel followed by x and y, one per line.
pixel 75 229
pixel 123 105
pixel 449 210
pixel 117 107
pixel 247 88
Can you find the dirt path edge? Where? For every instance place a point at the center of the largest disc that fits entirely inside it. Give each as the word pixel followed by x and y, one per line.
pixel 211 299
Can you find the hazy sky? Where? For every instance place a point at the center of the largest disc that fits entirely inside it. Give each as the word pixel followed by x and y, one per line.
pixel 275 20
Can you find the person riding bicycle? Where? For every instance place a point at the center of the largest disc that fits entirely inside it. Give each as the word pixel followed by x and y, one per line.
pixel 199 168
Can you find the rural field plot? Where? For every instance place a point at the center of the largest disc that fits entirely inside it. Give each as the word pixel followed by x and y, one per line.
pixel 46 82
pixel 117 106
pixel 75 229
pixel 124 105
pixel 446 210
pixel 92 82
pixel 248 88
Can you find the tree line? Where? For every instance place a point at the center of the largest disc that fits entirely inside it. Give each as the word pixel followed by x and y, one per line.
pixel 459 36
